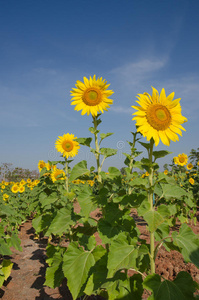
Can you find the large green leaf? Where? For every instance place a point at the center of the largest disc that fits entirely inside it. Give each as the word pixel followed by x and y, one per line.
pixel 4 248
pixel 6 268
pixel 107 152
pixel 86 201
pixel 121 255
pixel 61 223
pixel 76 266
pixel 182 288
pixel 154 219
pixel 120 287
pixel 49 199
pixel 189 244
pixel 161 153
pixel 172 191
pixel 84 141
pixel 54 273
pixel 79 170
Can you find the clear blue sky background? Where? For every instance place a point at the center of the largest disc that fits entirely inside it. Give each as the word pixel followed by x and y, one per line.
pixel 46 45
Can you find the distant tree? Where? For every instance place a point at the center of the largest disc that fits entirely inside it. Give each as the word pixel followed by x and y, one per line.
pixel 8 173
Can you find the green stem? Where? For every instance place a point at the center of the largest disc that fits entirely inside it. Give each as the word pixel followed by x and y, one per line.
pixel 97 154
pixel 66 171
pixel 150 199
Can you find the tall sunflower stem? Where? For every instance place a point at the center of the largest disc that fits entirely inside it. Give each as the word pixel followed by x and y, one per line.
pixel 97 154
pixel 150 199
pixel 66 172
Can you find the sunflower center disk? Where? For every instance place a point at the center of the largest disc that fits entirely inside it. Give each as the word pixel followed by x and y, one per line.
pixel 181 159
pixel 92 96
pixel 158 116
pixel 67 146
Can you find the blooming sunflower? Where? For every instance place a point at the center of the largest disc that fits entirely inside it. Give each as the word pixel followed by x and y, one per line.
pixel 41 165
pixel 189 166
pixel 182 159
pixel 67 145
pixel 91 96
pixel 5 197
pixel 15 188
pixel 166 172
pixel 191 180
pixel 21 188
pixel 57 174
pixel 159 117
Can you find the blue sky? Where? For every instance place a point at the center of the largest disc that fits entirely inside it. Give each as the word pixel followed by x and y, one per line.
pixel 46 46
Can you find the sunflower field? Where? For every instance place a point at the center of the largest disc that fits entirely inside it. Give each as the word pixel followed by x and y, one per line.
pixel 106 255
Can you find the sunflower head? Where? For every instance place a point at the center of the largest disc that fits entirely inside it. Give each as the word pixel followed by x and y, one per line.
pixel 191 180
pixel 91 96
pixel 166 172
pixel 57 174
pixel 159 117
pixel 41 165
pixel 189 166
pixel 15 188
pixel 21 188
pixel 182 159
pixel 67 145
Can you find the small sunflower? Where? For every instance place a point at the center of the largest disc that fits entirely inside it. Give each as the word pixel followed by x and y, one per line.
pixel 67 145
pixel 57 174
pixel 21 188
pixel 182 159
pixel 91 96
pixel 191 180
pixel 189 166
pixel 15 188
pixel 5 197
pixel 159 117
pixel 41 165
pixel 166 172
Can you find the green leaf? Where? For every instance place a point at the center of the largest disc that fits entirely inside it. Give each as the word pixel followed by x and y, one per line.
pixel 107 152
pixel 188 242
pixel 161 153
pixel 61 223
pixel 145 145
pixel 49 199
pixel 76 266
pixel 154 219
pixel 79 170
pixel 54 276
pixel 121 256
pixel 4 248
pixel 14 241
pixel 86 201
pixel 104 135
pixel 84 141
pixel 6 268
pixel 182 288
pixel 113 172
pixel 172 191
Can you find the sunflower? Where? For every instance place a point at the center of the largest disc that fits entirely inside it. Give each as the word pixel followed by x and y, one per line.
pixel 57 174
pixel 21 188
pixel 159 117
pixel 15 188
pixel 189 166
pixel 5 197
pixel 67 145
pixel 191 180
pixel 165 172
pixel 41 165
pixel 182 159
pixel 91 96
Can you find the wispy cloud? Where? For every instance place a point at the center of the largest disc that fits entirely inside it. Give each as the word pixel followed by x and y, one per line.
pixel 134 72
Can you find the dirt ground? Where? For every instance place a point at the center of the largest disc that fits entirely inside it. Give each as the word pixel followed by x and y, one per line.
pixel 28 274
